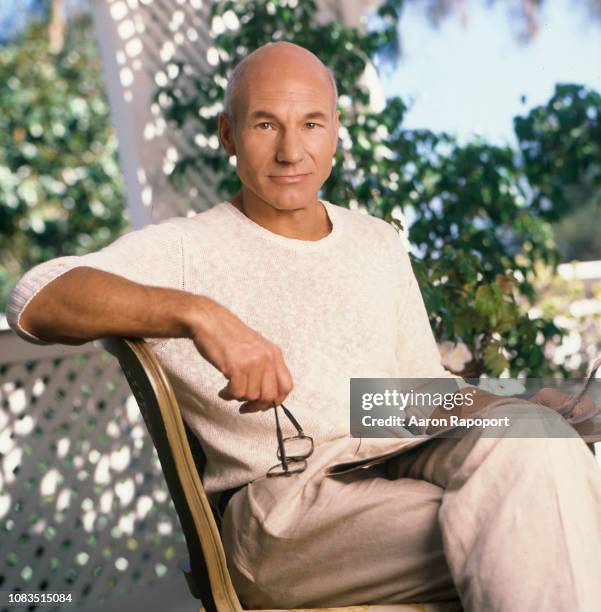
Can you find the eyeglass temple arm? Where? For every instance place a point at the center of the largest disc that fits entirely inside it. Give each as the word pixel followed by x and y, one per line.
pixel 278 430
pixel 292 419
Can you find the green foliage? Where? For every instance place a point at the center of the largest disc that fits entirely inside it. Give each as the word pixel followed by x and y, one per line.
pixel 560 143
pixel 60 185
pixel 577 238
pixel 477 214
pixel 561 147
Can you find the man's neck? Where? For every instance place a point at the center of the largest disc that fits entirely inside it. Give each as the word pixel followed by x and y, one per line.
pixel 309 223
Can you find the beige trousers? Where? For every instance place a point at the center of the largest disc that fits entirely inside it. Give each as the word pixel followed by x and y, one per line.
pixel 504 523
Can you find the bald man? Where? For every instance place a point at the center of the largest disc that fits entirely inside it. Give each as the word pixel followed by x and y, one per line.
pixel 282 295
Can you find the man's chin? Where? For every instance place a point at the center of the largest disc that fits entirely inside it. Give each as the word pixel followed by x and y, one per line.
pixel 290 199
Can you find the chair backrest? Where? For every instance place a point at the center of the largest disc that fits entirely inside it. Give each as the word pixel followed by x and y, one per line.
pixel 172 440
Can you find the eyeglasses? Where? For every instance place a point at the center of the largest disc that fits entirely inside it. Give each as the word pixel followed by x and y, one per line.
pixel 292 451
pixel 568 407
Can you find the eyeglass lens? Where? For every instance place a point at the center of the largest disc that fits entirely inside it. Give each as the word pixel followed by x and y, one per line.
pixel 296 447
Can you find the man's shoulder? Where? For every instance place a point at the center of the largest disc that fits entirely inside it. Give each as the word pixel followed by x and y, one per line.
pixel 367 226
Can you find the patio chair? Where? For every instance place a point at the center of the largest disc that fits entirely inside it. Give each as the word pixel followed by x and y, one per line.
pixel 182 461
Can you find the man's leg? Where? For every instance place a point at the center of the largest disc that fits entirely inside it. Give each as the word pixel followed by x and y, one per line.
pixel 311 540
pixel 520 517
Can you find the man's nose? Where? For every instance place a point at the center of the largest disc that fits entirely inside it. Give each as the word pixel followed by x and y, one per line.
pixel 290 147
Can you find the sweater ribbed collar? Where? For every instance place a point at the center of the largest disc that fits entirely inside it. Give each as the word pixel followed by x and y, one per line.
pixel 292 243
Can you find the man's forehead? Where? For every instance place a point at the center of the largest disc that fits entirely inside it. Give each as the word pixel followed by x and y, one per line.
pixel 280 85
pixel 287 96
pixel 306 111
pixel 292 96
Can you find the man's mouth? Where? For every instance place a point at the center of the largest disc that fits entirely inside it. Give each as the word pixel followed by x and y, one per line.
pixel 284 179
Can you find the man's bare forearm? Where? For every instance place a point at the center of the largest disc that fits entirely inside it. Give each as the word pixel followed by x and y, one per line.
pixel 84 304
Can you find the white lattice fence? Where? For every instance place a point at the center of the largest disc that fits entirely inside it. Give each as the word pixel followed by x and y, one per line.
pixel 83 504
pixel 140 41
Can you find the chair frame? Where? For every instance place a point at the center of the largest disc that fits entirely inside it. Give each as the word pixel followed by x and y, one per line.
pixel 206 573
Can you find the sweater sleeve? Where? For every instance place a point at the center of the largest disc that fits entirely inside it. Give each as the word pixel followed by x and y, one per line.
pixel 151 256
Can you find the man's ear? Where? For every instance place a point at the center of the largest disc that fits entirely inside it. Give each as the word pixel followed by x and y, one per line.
pixel 336 130
pixel 226 136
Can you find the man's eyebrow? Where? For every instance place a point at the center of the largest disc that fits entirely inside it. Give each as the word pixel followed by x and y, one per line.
pixel 263 113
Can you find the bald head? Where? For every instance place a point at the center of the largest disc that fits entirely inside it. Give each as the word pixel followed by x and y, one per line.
pixel 275 58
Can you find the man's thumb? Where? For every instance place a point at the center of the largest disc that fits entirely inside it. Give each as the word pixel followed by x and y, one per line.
pixel 225 394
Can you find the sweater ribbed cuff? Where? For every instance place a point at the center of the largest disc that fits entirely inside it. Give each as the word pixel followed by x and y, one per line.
pixel 30 284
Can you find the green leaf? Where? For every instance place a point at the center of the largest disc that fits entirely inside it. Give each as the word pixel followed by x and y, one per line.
pixel 494 359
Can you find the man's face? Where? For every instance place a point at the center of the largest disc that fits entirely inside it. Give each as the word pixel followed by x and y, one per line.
pixel 285 134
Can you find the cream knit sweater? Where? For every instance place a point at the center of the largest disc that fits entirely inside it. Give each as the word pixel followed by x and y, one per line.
pixel 345 306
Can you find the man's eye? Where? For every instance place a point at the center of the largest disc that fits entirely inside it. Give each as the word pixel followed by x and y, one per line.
pixel 264 123
pixel 311 123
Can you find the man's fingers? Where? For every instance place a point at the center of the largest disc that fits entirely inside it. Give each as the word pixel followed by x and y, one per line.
pixel 225 394
pixel 255 406
pixel 253 385
pixel 553 398
pixel 269 394
pixel 235 388
pixel 259 380
pixel 284 380
pixel 585 406
pixel 269 386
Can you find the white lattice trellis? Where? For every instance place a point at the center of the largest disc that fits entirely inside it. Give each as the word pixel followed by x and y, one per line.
pixel 83 504
pixel 138 41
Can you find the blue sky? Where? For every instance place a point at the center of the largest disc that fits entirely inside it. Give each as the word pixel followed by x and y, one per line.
pixel 15 14
pixel 471 79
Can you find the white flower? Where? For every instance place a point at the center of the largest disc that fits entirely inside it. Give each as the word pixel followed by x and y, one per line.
pixel 454 356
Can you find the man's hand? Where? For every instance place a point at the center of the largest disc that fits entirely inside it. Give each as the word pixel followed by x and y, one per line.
pixel 253 365
pixel 479 399
pixel 552 398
